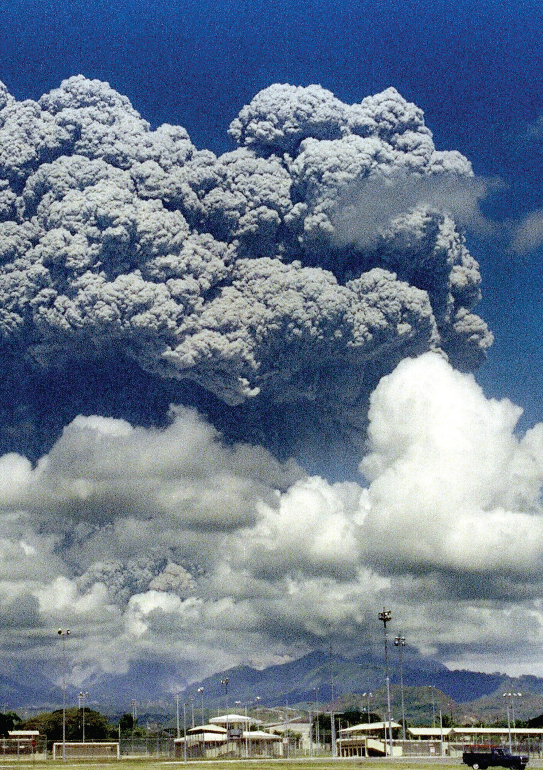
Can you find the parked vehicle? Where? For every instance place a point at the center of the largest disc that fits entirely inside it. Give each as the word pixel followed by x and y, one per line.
pixel 480 760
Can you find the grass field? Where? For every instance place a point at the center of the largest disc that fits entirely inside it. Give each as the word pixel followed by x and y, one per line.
pixel 263 764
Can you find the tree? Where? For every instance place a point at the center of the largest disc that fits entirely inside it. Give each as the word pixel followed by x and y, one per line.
pixel 50 724
pixel 8 721
pixel 127 723
pixel 447 720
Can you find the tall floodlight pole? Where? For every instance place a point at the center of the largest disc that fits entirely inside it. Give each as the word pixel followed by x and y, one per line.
pixel 225 682
pixel 63 634
pixel 332 717
pixel 514 695
pixel 385 617
pixel 507 695
pixel 317 727
pixel 399 642
pixel 134 719
pixel 82 697
pixel 433 698
pixel 184 732
pixel 246 730
pixel 511 712
pixel 177 715
pixel 201 691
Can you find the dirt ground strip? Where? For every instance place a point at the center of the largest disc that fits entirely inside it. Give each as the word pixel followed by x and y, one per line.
pixel 407 763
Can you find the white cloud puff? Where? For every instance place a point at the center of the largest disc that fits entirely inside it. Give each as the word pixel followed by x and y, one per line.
pixel 528 234
pixel 447 531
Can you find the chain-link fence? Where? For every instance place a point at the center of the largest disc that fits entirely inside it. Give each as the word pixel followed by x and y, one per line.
pixel 160 745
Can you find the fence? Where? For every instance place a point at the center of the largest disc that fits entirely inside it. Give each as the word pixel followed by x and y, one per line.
pixel 149 746
pixel 23 747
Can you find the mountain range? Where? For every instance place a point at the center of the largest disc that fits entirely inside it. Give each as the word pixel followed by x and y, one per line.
pixel 314 681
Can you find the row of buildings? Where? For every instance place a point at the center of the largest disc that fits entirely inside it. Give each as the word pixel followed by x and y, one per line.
pixel 241 736
pixel 234 735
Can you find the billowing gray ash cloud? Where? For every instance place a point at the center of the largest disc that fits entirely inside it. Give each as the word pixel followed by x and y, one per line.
pixel 273 286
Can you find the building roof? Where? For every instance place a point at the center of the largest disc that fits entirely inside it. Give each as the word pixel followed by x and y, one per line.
pixel 217 729
pixel 369 727
pixel 299 721
pixel 232 719
pixel 216 734
pixel 203 737
pixel 497 731
pixel 429 732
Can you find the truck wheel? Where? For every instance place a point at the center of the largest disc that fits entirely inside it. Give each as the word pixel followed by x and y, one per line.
pixel 476 766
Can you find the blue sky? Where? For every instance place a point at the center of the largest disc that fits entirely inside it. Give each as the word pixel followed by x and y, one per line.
pixel 174 545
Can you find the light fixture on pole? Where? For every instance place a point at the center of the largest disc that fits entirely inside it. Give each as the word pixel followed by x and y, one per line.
pixel 399 642
pixel 385 617
pixel 81 698
pixel 63 634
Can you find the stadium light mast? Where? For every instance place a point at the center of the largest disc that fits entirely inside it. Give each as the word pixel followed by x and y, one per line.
pixel 511 712
pixel 185 733
pixel 367 695
pixel 399 642
pixel 63 634
pixel 177 715
pixel 225 682
pixel 385 617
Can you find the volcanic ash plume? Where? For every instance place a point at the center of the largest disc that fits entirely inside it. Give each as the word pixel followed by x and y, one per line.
pixel 175 325
pixel 296 270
